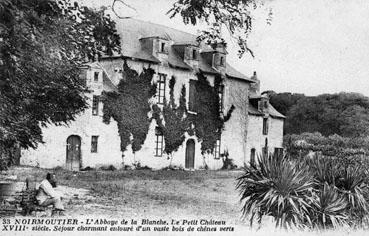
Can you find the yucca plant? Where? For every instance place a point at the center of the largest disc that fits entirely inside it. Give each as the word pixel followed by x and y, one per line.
pixel 353 186
pixel 276 186
pixel 329 207
pixel 349 180
pixel 325 170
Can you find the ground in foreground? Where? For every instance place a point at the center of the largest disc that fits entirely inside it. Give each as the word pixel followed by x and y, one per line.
pixel 146 193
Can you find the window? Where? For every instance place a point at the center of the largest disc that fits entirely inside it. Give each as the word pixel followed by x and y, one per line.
pixel 194 54
pixel 222 61
pixel 159 142
pixel 278 152
pixel 265 148
pixel 162 47
pixel 252 156
pixel 95 105
pixel 117 70
pixel 96 76
pixel 192 96
pixel 265 104
pixel 217 149
pixel 94 143
pixel 265 126
pixel 160 90
pixel 220 94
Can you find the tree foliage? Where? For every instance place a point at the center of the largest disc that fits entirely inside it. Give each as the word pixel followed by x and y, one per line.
pixel 43 43
pixel 233 15
pixel 345 114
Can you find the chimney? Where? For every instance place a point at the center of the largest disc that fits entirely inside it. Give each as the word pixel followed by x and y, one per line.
pixel 255 87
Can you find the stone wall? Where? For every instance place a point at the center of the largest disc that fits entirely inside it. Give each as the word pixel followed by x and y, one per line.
pixel 241 133
pixel 256 139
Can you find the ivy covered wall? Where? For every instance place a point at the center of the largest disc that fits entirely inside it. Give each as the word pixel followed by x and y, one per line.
pixel 133 111
pixel 130 106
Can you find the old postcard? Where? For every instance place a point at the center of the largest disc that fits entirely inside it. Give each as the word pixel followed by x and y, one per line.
pixel 184 117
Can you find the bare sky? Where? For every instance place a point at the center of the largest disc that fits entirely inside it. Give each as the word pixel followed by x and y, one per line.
pixel 311 47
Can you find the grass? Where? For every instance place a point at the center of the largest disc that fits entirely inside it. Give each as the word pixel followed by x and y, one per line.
pixel 147 193
pixel 163 194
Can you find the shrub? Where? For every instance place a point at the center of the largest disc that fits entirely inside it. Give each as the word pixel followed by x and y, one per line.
pixel 138 166
pixel 329 208
pixel 173 167
pixel 319 192
pixel 276 187
pixel 109 167
pixel 88 168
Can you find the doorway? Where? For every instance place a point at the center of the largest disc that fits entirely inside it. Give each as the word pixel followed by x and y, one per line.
pixel 73 161
pixel 190 154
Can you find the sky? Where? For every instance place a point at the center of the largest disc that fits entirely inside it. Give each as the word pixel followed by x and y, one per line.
pixel 311 47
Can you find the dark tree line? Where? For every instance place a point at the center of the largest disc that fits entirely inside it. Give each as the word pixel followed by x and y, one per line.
pixel 345 114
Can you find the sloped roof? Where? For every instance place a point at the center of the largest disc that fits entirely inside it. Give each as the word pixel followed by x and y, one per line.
pixel 132 30
pixel 271 110
pixel 254 111
pixel 232 72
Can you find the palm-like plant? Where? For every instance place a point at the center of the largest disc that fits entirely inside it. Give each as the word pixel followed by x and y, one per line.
pixel 329 207
pixel 349 181
pixel 278 187
pixel 355 190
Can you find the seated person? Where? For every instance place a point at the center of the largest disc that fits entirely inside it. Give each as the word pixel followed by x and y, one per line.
pixel 47 196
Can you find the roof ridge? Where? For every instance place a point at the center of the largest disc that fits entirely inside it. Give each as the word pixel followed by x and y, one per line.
pixel 163 26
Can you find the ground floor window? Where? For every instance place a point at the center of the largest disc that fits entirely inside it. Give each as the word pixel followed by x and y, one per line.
pixel 159 140
pixel 217 149
pixel 94 140
pixel 252 156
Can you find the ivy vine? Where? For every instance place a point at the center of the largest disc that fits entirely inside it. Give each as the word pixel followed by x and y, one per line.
pixel 130 106
pixel 207 122
pixel 175 118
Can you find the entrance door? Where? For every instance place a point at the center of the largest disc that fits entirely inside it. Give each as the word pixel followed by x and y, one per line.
pixel 190 154
pixel 73 153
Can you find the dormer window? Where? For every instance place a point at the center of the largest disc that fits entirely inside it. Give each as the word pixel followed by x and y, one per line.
pixel 265 104
pixel 96 76
pixel 194 54
pixel 162 47
pixel 221 61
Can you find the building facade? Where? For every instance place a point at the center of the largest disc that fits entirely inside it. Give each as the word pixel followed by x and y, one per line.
pixel 254 125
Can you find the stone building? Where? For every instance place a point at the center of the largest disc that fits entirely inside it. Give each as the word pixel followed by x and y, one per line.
pixel 254 124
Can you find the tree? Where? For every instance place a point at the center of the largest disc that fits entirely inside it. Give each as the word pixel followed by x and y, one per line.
pixel 233 15
pixel 345 114
pixel 43 44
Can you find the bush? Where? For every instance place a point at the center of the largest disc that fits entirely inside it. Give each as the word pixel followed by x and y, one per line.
pixel 318 192
pixel 88 168
pixel 172 167
pixel 276 187
pixel 109 167
pixel 138 166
